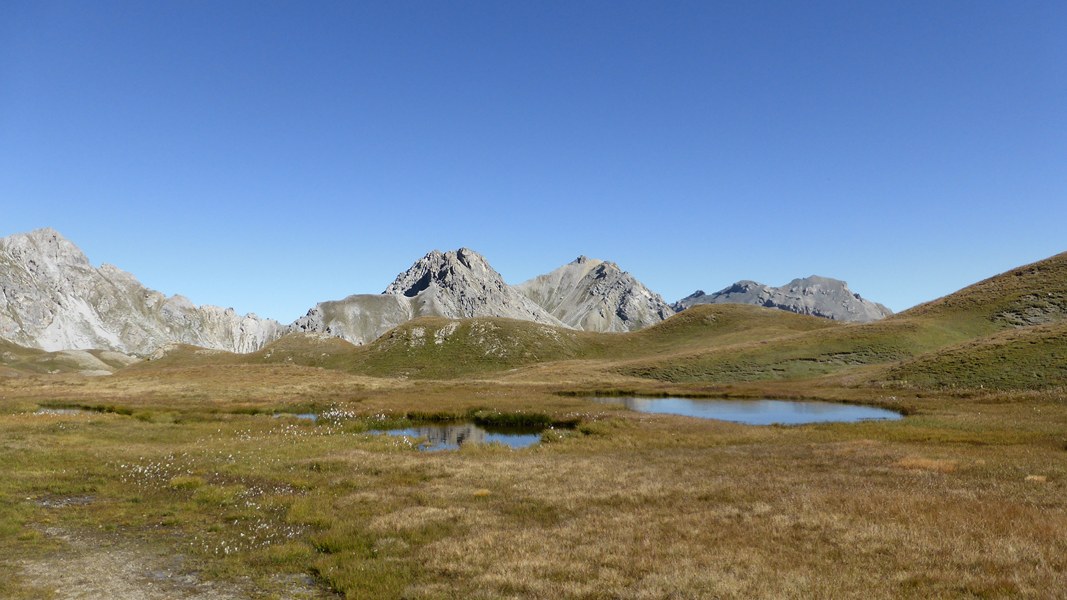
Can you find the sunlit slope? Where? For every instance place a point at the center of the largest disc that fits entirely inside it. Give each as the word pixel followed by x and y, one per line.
pixel 1026 358
pixel 434 347
pixel 310 350
pixel 179 356
pixel 1032 294
pixel 708 326
pixel 19 360
pixel 809 354
pixel 442 348
pixel 1022 297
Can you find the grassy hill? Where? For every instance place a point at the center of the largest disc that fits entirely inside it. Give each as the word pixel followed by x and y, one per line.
pixel 1023 297
pixel 1028 358
pixel 434 347
pixel 18 360
pixel 1028 295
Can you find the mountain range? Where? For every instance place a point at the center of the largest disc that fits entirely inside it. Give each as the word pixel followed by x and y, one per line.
pixel 53 299
pixel 815 296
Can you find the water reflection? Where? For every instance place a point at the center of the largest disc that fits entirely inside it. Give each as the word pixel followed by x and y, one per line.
pixel 61 411
pixel 450 436
pixel 302 416
pixel 756 412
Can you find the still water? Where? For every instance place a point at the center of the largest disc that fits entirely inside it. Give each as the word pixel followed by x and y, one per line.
pixel 450 436
pixel 756 412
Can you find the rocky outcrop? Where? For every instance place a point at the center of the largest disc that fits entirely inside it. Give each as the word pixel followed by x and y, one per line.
pixel 53 299
pixel 596 295
pixel 359 319
pixel 459 284
pixel 816 296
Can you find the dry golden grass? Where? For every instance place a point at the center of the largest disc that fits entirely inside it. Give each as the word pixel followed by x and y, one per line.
pixel 927 464
pixel 946 503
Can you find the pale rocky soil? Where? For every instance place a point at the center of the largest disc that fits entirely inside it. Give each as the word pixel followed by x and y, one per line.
pixel 95 566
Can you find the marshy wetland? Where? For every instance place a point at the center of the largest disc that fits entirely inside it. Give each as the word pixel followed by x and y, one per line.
pixel 963 498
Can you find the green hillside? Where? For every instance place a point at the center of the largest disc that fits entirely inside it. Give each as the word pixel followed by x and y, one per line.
pixel 1027 358
pixel 1028 295
pixel 1022 297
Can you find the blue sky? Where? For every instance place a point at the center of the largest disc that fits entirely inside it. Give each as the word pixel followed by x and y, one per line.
pixel 270 155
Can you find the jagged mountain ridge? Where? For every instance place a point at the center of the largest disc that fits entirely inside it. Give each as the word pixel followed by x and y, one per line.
pixel 52 298
pixel 457 284
pixel 596 295
pixel 816 296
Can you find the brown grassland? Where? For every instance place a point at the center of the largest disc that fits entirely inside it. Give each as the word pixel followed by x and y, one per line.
pixel 181 467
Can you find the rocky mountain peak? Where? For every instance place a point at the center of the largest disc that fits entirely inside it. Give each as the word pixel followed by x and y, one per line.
pixel 462 284
pixel 52 298
pixel 815 295
pixel 43 246
pixel 447 270
pixel 596 295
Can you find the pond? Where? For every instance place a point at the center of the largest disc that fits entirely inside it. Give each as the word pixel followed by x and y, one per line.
pixel 756 412
pixel 450 436
pixel 301 416
pixel 63 411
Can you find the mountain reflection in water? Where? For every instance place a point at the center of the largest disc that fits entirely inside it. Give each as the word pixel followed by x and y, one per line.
pixel 756 412
pixel 450 436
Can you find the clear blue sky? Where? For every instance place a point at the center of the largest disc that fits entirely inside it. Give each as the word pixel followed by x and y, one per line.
pixel 270 155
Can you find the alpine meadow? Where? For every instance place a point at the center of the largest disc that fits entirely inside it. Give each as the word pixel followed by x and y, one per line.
pixel 553 300
pixel 204 473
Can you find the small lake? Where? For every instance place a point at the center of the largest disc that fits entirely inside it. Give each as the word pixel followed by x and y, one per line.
pixel 450 436
pixel 756 412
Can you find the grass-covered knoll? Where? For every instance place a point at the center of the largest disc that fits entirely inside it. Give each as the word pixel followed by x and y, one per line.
pixel 803 355
pixel 433 347
pixel 185 355
pixel 1027 295
pixel 710 325
pixel 1027 358
pixel 16 359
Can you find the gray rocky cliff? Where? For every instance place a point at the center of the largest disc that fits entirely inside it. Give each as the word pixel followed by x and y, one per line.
pixel 596 295
pixel 53 299
pixel 816 296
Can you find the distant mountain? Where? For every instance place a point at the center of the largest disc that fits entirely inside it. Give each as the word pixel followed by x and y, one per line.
pixel 457 285
pixel 595 295
pixel 816 296
pixel 52 298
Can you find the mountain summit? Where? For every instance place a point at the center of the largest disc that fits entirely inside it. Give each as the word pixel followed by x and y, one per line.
pixel 461 284
pixel 816 296
pixel 52 298
pixel 458 284
pixel 596 295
